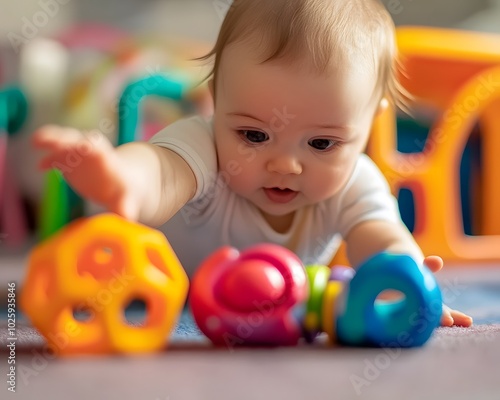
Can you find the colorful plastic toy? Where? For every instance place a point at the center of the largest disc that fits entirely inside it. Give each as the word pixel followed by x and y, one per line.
pixel 252 297
pixel 261 296
pixel 325 284
pixel 452 74
pixel 96 267
pixel 362 320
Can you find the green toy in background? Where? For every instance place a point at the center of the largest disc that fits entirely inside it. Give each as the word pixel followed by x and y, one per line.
pixel 54 207
pixel 135 92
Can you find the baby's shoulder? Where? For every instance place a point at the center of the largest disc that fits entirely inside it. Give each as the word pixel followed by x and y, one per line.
pixel 365 174
pixel 195 124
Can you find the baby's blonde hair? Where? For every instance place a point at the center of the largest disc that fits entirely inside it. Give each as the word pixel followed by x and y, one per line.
pixel 321 33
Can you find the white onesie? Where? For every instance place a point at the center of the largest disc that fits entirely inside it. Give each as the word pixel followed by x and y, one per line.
pixel 216 216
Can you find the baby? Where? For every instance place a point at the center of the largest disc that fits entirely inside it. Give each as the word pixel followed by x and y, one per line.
pixel 296 85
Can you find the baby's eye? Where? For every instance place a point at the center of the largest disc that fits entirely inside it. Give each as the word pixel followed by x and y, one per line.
pixel 254 136
pixel 323 144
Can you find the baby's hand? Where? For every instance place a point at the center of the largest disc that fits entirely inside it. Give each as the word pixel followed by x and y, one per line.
pixel 450 317
pixel 90 165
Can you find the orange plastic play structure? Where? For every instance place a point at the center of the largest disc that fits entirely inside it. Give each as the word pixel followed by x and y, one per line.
pixel 97 266
pixel 457 74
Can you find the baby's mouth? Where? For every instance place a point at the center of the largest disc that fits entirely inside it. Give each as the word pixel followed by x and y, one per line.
pixel 281 196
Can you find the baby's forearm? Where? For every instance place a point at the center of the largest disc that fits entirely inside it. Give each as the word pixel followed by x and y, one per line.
pixel 371 237
pixel 159 181
pixel 406 245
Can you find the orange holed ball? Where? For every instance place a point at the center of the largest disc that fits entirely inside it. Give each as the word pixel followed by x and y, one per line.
pixel 81 280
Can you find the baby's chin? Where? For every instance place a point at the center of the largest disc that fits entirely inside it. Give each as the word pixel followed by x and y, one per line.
pixel 278 208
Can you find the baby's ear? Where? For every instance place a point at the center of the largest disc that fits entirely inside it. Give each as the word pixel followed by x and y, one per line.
pixel 383 105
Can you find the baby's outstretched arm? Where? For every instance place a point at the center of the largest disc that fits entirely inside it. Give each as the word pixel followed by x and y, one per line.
pixel 371 237
pixel 138 180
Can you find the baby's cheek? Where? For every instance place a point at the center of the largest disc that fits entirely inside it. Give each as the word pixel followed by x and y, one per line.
pixel 230 170
pixel 240 182
pixel 324 187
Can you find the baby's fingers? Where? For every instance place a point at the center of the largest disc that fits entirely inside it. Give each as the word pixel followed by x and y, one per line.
pixel 55 138
pixel 452 317
pixel 52 137
pixel 67 145
pixel 446 318
pixel 49 162
pixel 434 263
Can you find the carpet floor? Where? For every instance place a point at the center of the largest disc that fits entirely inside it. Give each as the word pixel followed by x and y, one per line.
pixel 455 363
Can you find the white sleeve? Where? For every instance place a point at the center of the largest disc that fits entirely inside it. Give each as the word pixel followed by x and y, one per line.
pixel 193 140
pixel 366 197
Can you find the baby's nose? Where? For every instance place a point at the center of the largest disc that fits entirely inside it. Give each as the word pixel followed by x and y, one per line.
pixel 285 164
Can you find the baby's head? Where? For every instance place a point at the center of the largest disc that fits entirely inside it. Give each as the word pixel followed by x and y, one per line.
pixel 296 85
pixel 320 34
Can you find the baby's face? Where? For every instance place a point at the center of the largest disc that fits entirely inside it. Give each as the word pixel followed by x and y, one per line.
pixel 287 138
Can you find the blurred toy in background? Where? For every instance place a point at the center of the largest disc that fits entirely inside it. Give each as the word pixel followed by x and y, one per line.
pixel 93 96
pixel 451 77
pixel 13 221
pixel 42 77
pixel 265 296
pixel 77 78
pixel 85 277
